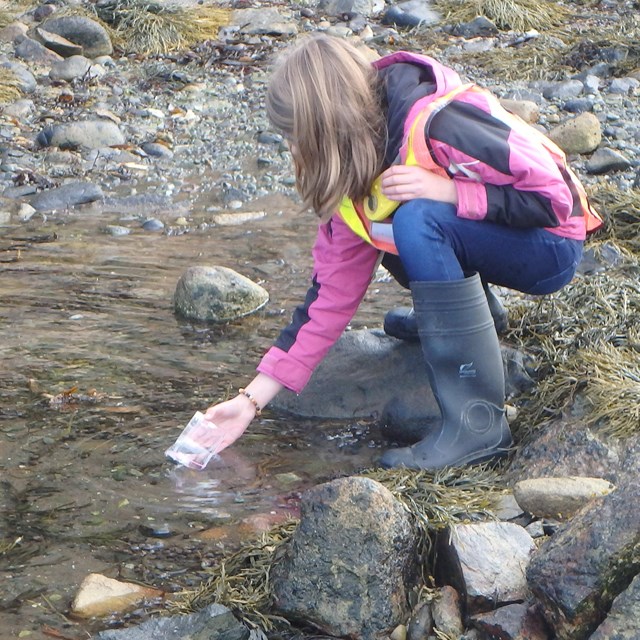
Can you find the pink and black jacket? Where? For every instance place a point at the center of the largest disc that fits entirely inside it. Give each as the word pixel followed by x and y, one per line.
pixel 502 173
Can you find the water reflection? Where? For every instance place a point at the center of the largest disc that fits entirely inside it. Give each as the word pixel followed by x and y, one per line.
pixel 87 318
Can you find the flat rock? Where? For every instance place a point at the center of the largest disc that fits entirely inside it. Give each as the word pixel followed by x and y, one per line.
pixel 558 498
pixel 99 596
pixel 486 561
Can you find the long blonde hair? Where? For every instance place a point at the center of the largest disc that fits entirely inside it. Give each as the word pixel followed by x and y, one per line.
pixel 323 96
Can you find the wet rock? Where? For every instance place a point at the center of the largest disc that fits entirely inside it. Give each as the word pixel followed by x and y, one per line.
pixel 217 294
pixel 99 596
pixel 214 621
pixel 485 561
pixel 605 160
pixel 34 51
pixel 513 622
pixel 447 612
pixel 567 448
pixel 581 134
pixel 161 530
pixel 264 22
pixel 153 224
pixel 91 134
pixel 89 34
pixel 139 202
pixel 75 67
pixel 578 572
pixel 66 196
pixel 348 383
pixel 26 80
pixel 623 619
pixel 559 498
pixel 347 567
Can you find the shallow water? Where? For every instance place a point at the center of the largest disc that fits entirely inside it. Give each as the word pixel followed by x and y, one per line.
pixel 97 378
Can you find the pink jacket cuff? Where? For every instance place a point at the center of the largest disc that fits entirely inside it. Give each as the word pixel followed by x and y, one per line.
pixel 280 366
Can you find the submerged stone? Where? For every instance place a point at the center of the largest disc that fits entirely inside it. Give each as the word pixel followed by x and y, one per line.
pixel 217 294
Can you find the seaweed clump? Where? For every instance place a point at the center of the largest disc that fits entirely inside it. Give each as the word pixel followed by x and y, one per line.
pixel 517 15
pixel 9 86
pixel 148 27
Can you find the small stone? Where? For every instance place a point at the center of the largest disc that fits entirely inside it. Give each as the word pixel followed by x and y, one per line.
pixel 99 595
pixel 399 633
pixel 156 530
pixel 153 224
pixel 117 230
pixel 559 498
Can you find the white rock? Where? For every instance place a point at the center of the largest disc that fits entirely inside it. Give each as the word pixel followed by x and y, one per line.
pixel 99 596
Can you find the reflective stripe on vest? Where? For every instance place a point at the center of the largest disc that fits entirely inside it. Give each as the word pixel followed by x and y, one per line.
pixel 415 151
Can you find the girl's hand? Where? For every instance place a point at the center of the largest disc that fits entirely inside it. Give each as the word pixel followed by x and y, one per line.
pixel 232 418
pixel 403 182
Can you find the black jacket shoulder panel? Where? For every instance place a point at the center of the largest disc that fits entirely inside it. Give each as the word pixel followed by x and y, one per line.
pixel 404 84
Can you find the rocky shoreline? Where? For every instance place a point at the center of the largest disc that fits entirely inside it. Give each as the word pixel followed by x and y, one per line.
pixel 115 129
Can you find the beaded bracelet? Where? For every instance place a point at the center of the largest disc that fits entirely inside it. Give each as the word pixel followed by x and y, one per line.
pixel 253 401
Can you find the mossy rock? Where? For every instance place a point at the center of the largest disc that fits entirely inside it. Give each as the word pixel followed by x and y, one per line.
pixel 217 294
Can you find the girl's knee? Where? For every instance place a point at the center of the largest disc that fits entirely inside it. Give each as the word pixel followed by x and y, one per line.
pixel 421 220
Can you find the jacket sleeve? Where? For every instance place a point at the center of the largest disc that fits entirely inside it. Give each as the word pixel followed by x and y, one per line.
pixel 342 272
pixel 502 173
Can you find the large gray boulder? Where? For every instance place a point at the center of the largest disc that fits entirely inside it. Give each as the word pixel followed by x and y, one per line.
pixel 370 374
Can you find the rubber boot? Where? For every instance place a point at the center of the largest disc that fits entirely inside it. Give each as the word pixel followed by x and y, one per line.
pixel 401 322
pixel 464 365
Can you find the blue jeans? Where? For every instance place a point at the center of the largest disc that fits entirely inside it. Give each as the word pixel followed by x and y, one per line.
pixel 435 245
